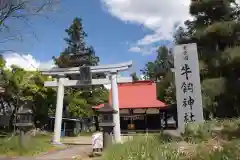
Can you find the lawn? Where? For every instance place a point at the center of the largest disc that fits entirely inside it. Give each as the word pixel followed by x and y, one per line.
pixel 213 140
pixel 33 145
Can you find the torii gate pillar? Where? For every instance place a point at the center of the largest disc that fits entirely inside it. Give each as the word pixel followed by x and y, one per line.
pixel 59 111
pixel 115 103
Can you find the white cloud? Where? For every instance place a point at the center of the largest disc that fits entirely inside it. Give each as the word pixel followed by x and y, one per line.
pixel 160 16
pixel 135 49
pixel 142 77
pixel 145 50
pixel 47 65
pixel 26 61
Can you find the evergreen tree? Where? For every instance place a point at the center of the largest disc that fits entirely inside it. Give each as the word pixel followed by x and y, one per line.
pixel 163 63
pixel 149 71
pixel 160 71
pixel 80 100
pixel 134 76
pixel 76 48
pixel 215 28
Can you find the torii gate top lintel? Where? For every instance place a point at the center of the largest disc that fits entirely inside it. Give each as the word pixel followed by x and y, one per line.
pixel 110 68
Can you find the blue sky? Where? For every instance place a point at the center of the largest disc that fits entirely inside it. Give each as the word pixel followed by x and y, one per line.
pixel 116 32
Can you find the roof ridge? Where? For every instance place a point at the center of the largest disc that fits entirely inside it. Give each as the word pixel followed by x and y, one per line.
pixel 140 82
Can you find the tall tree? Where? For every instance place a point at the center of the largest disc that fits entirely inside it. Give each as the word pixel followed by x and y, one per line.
pixel 160 66
pixel 160 71
pixel 80 101
pixel 20 86
pixel 149 71
pixel 215 28
pixel 42 99
pixel 134 76
pixel 163 62
pixel 76 48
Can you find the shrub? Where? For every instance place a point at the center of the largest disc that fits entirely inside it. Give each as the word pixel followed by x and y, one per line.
pixel 196 133
pixel 231 129
pixel 227 150
pixel 225 129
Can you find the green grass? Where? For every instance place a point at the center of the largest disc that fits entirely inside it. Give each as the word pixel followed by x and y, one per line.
pixel 140 148
pixel 213 140
pixel 150 148
pixel 10 146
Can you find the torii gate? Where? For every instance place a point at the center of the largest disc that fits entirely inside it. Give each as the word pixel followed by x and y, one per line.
pixel 60 74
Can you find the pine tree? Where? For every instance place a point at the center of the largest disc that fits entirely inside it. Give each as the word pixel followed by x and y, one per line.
pixel 134 76
pixel 160 71
pixel 76 48
pixel 215 28
pixel 79 101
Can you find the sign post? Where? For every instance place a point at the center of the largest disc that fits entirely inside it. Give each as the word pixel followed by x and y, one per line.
pixel 188 87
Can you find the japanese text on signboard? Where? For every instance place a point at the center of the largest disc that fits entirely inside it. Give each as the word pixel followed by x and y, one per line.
pixel 187 88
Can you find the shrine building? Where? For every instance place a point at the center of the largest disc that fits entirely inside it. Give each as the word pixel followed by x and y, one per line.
pixel 140 111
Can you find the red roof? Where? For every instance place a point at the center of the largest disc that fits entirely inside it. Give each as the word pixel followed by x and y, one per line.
pixel 138 94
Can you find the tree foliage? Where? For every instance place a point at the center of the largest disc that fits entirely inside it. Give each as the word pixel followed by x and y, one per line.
pixel 21 11
pixel 79 101
pixel 76 46
pixel 215 28
pixel 160 71
pixel 134 76
pixel 21 86
pixel 18 86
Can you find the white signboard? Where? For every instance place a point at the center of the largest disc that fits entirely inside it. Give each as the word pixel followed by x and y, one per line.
pixel 189 98
pixel 97 140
